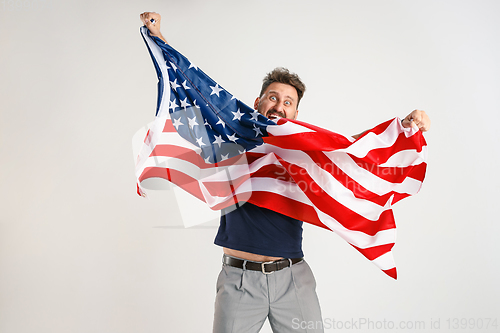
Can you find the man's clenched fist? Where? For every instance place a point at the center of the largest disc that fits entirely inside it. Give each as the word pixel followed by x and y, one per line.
pixel 418 119
pixel 152 21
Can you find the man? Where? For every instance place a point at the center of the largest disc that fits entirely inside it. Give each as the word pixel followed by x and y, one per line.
pixel 248 290
pixel 264 274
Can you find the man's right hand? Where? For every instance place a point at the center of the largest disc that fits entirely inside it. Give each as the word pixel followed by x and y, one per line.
pixel 152 21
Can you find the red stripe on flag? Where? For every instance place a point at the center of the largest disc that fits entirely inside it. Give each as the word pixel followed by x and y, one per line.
pixel 178 178
pixel 374 252
pixel 381 155
pixel 347 217
pixel 392 273
pixel 315 141
pixel 169 127
pixel 392 174
pixel 286 206
pixel 182 153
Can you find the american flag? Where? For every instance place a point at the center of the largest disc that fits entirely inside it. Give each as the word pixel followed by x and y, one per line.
pixel 223 152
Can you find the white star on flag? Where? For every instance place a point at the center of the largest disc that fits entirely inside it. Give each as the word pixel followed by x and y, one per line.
pixel 177 123
pixel 184 85
pixel 218 140
pixel 207 124
pixel 174 84
pixel 192 122
pixel 232 137
pixel 221 122
pixel 216 90
pixel 257 131
pixel 255 115
pixel 173 105
pixel 199 141
pixel 237 114
pixel 184 103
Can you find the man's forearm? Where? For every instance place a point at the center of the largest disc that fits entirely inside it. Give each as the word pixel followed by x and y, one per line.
pixel 161 37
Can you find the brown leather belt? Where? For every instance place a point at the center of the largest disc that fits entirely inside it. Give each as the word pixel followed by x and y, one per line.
pixel 265 267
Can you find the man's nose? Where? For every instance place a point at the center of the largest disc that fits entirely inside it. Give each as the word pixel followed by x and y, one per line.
pixel 279 107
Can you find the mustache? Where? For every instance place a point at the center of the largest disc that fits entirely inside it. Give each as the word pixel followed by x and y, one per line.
pixel 274 112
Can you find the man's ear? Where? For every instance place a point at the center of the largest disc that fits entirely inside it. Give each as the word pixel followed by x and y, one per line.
pixel 296 114
pixel 256 103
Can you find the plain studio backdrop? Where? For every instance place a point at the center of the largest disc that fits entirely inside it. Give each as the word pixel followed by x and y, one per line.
pixel 80 251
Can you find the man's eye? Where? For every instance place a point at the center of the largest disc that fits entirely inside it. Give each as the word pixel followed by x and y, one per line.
pixel 288 103
pixel 272 98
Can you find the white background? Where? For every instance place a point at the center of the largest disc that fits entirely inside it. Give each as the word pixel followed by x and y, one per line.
pixel 81 252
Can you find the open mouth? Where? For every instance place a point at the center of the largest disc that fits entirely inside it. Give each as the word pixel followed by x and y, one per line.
pixel 274 115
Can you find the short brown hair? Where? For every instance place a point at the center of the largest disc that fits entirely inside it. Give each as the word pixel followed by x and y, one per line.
pixel 283 75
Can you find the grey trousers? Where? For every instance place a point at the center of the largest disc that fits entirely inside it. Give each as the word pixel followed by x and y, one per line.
pixel 287 297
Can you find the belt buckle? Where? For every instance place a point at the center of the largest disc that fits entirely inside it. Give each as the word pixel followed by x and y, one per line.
pixel 264 269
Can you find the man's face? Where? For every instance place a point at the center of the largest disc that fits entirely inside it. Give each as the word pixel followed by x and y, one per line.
pixel 278 101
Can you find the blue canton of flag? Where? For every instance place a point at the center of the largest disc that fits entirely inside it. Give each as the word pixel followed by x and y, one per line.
pixel 202 111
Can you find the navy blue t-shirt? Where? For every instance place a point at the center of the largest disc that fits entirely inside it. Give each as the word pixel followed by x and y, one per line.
pixel 261 231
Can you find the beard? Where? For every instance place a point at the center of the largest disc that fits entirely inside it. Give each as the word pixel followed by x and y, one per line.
pixel 272 114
